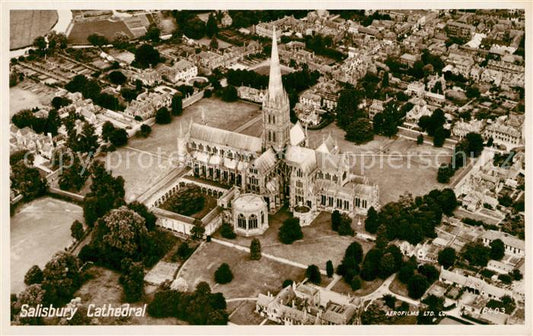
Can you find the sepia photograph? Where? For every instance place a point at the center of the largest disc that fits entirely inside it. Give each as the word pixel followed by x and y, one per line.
pixel 278 168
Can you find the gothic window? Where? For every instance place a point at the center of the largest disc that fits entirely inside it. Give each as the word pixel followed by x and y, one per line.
pixel 252 222
pixel 274 136
pixel 364 204
pixel 241 221
pixel 328 177
pixel 330 201
pixel 323 200
pixel 193 145
pixel 201 147
pixel 346 205
pixel 269 136
pixel 358 202
pixel 262 217
pixel 334 178
pixel 273 119
pixel 344 176
pixel 222 152
pixel 339 203
pixel 230 155
pixel 299 184
pixel 208 148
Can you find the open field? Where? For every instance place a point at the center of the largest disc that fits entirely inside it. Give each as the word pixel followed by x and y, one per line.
pixel 103 288
pixel 140 170
pixel 20 99
pixel 38 230
pixel 396 165
pixel 249 277
pixel 26 25
pixel 318 245
pixel 81 30
pixel 217 113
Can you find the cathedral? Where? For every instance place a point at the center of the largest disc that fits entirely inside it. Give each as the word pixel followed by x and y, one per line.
pixel 278 167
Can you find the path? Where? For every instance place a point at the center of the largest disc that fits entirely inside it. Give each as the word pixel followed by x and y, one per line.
pixel 266 255
pixel 248 123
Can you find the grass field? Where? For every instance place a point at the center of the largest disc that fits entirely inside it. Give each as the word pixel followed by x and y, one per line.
pixel 217 113
pixel 249 277
pixel 26 25
pixel 20 99
pixel 81 30
pixel 140 170
pixel 397 287
pixel 396 165
pixel 318 245
pixel 38 230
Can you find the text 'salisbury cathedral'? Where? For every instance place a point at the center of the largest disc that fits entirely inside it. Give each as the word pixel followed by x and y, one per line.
pixel 276 168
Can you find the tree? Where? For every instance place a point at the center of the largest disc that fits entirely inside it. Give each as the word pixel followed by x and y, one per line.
pixel 329 268
pixel 120 40
pixel 59 102
pixel 177 104
pixel 76 230
pixel 419 139
pixel 211 27
pixel 387 265
pixel 370 266
pixel 345 227
pixel 61 278
pixel 32 296
pixel 475 143
pixel 439 137
pixel 146 56
pixel 390 301
pixel 162 116
pixel 27 180
pixel 417 286
pixel 497 249
pixel 226 231
pixel 385 81
pixel 255 249
pixel 223 274
pixel 313 274
pixel 119 137
pixel 447 201
pixel 360 131
pixel 476 253
pixel 229 94
pixel 40 43
pixel 107 192
pixel 107 130
pixel 97 40
pixel 184 251
pixel 141 209
pixel 213 44
pixel 444 173
pixel 447 257
pixel 33 276
pixel 198 230
pixel 117 78
pixel 430 272
pixel 356 283
pixel 335 220
pixel 132 280
pixel 144 131
pixel 348 107
pixel 153 33
pixel 290 231
pixel 372 221
pixel 407 271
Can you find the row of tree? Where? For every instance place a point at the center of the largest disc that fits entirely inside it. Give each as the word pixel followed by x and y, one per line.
pixel 90 89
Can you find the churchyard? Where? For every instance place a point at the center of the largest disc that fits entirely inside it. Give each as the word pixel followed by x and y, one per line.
pixel 39 229
pixel 397 165
pixel 218 113
pixel 319 243
pixel 250 277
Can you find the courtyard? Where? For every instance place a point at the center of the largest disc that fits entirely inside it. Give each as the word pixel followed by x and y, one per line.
pixel 39 229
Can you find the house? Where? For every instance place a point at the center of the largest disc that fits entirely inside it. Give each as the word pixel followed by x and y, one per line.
pixel 409 59
pixel 513 245
pixel 181 71
pixel 307 304
pixel 473 284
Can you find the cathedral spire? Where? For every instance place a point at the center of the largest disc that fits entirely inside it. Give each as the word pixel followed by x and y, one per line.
pixel 275 86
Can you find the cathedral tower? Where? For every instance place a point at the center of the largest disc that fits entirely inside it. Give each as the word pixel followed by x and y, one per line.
pixel 276 107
